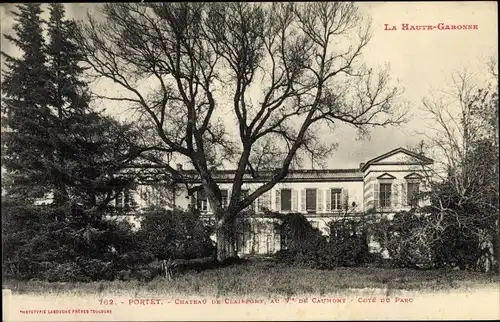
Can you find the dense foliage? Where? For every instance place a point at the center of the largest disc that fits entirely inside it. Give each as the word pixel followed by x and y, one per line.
pixel 78 246
pixel 175 234
pixel 62 159
pixel 346 245
pixel 413 241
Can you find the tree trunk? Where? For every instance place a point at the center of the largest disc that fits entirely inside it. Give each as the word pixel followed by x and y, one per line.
pixel 226 241
pixel 496 249
pixel 226 247
pixel 233 251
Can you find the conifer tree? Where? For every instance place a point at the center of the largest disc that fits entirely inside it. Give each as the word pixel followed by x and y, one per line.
pixel 25 109
pixel 57 142
pixel 91 148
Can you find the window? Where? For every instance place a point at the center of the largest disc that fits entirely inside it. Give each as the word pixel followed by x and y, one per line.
pixel 122 199
pixel 244 194
pixel 286 199
pixel 119 200
pixel 413 191
pixel 131 197
pixel 225 200
pixel 201 201
pixel 144 193
pixel 311 200
pixel 385 195
pixel 336 199
pixel 126 198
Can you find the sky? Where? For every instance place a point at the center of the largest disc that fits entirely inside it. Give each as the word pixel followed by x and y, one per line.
pixel 420 61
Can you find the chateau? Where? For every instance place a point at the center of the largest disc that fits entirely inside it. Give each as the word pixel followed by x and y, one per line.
pixel 385 184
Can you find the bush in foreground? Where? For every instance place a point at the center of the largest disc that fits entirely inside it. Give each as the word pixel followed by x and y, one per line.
pixel 305 246
pixel 73 244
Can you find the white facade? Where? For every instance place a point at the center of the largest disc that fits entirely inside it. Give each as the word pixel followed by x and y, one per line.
pixel 384 184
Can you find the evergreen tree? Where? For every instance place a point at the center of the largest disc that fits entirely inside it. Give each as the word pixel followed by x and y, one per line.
pixel 25 109
pixel 91 148
pixel 67 96
pixel 58 143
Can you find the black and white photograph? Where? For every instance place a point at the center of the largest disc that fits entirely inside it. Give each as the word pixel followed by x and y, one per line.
pixel 167 161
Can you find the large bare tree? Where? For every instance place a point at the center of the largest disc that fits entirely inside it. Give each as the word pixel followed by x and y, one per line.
pixel 283 74
pixel 462 137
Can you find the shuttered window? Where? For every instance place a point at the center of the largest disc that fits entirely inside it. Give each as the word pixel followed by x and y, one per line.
pixel 311 200
pixel 295 201
pixel 131 198
pixel 265 201
pixel 412 194
pixel 244 194
pixel 286 199
pixel 201 201
pixel 385 195
pixel 336 199
pixel 119 200
pixel 225 197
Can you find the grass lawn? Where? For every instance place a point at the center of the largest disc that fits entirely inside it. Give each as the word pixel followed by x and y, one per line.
pixel 266 278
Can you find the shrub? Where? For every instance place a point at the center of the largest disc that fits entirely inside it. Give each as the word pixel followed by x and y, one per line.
pixel 304 245
pixel 95 269
pixel 63 244
pixel 428 240
pixel 73 244
pixel 178 234
pixel 348 244
pixel 66 272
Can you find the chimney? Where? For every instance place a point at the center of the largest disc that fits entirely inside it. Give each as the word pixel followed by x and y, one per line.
pixel 179 167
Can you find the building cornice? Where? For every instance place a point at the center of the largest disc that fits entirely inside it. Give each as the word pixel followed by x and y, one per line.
pixel 424 160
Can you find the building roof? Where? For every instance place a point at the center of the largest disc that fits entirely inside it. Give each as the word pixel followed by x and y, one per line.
pixel 300 175
pixel 297 175
pixel 421 158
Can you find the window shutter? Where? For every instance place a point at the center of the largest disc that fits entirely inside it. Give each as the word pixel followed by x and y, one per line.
pixel 263 202
pixel 419 191
pixel 345 199
pixel 193 201
pixel 119 199
pixel 278 199
pixel 126 198
pixel 295 201
pixel 319 200
pixel 251 207
pixel 259 201
pixel 394 195
pixel 303 199
pixel 342 198
pixel 126 201
pixel 328 198
pixel 228 197
pixel 266 200
pixel 149 195
pixel 133 202
pixel 156 197
pixel 256 204
pixel 401 194
pixel 404 194
pixel 376 198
